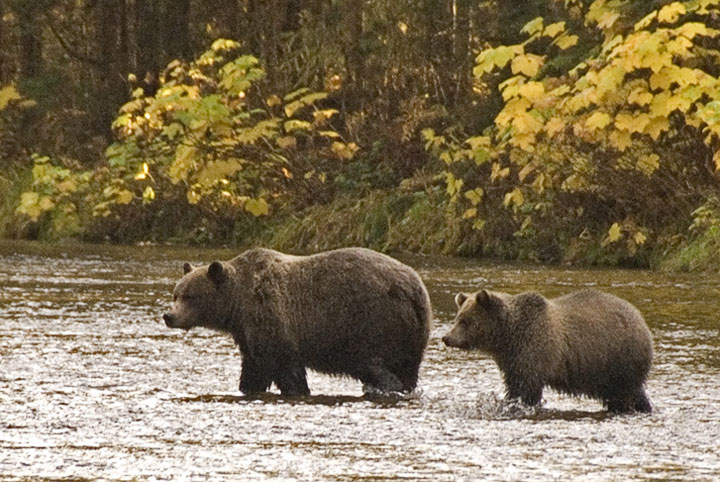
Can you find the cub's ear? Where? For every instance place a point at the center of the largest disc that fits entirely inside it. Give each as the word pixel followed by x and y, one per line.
pixel 482 298
pixel 460 299
pixel 217 273
pixel 187 268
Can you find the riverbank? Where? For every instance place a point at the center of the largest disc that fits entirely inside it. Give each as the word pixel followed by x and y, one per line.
pixel 399 220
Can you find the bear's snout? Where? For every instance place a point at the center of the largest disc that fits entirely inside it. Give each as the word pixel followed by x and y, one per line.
pixel 449 341
pixel 169 319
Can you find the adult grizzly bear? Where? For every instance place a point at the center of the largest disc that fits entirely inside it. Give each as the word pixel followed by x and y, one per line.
pixel 585 343
pixel 350 311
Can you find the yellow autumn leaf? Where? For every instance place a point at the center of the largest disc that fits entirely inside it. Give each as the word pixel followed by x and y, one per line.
pixel 554 29
pixel 646 21
pixel 148 194
pixel 621 140
pixel 533 26
pixel 474 195
pixel 7 95
pixel 257 207
pixel 657 126
pixel 539 183
pixel 640 96
pixel 512 109
pixel 639 238
pixel 662 79
pixel 144 171
pixel 322 115
pixel 566 41
pixel 716 159
pixel 614 233
pixel 691 29
pixel 273 100
pixel 530 167
pixel 525 141
pixel 510 87
pixel 527 64
pixel 514 198
pixel 286 142
pixel 124 197
pixel 469 213
pixel 532 90
pixel 554 125
pixel 498 172
pixel 599 120
pixel 671 13
pixel 526 123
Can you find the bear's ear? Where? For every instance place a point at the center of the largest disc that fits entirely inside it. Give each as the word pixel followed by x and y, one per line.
pixel 187 268
pixel 482 298
pixel 216 272
pixel 460 299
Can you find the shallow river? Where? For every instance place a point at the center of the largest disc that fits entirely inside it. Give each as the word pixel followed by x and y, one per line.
pixel 94 386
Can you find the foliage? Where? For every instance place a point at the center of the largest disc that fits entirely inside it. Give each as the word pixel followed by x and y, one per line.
pixel 208 139
pixel 57 192
pixel 596 152
pixel 209 132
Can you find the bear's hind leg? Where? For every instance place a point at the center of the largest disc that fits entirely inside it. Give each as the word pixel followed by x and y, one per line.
pixel 292 381
pixel 634 402
pixel 378 377
pixel 642 402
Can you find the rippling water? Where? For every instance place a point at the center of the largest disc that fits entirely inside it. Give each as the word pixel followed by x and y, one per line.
pixel 94 386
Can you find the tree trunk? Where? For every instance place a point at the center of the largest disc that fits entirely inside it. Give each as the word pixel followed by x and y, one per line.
pixel 4 67
pixel 147 44
pixel 28 15
pixel 176 29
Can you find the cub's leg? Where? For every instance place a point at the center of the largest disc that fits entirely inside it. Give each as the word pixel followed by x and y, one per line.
pixel 528 392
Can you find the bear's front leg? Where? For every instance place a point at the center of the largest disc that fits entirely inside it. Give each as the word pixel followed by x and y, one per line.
pixel 292 381
pixel 253 378
pixel 528 392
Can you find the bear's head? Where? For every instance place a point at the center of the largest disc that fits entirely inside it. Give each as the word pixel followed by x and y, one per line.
pixel 479 321
pixel 201 297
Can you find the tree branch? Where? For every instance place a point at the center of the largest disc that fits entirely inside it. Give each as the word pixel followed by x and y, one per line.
pixel 68 49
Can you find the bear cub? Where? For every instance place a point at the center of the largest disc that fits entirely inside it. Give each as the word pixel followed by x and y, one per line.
pixel 587 343
pixel 351 312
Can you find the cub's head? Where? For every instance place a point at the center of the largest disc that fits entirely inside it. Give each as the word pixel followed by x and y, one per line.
pixel 479 320
pixel 201 297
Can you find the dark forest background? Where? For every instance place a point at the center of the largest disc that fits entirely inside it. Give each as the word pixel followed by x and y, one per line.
pixel 430 125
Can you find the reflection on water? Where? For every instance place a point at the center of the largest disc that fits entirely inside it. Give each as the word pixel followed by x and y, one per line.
pixel 92 385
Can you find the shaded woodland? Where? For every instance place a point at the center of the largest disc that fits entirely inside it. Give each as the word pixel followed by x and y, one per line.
pixel 561 131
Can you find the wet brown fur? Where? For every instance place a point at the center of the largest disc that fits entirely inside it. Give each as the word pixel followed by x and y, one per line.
pixel 587 343
pixel 351 311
